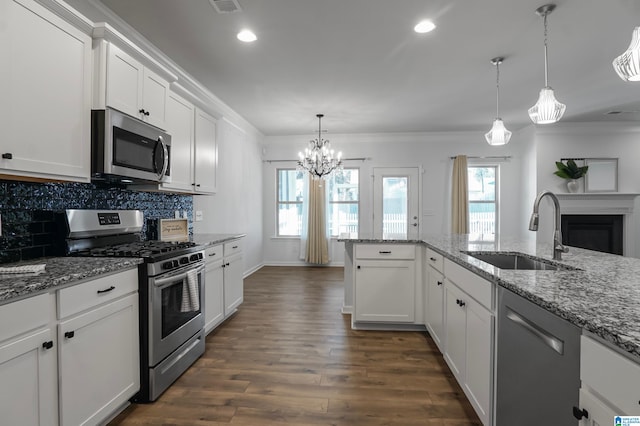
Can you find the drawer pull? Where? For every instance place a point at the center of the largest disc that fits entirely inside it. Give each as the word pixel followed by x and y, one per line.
pixel 69 334
pixel 433 259
pixel 107 290
pixel 460 303
pixel 234 247
pixel 385 252
pixel 439 282
pixel 212 254
pixel 48 345
pixel 7 156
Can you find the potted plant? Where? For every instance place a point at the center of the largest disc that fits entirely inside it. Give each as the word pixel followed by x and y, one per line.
pixel 572 172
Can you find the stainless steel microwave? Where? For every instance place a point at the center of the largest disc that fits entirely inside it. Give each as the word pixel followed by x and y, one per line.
pixel 127 150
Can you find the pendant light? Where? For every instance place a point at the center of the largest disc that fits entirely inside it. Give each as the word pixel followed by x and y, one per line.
pixel 627 65
pixel 498 135
pixel 547 109
pixel 318 158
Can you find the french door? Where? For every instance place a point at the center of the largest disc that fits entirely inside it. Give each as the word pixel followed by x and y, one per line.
pixel 396 203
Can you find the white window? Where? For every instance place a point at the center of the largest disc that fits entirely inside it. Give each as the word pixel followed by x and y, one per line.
pixel 344 201
pixel 290 187
pixel 483 202
pixel 342 208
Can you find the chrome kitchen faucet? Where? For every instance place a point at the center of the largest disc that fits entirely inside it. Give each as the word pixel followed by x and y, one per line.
pixel 558 247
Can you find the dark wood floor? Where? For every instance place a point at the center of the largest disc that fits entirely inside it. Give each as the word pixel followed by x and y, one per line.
pixel 289 357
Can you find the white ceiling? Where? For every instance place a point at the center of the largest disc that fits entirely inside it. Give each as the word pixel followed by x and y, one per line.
pixel 360 63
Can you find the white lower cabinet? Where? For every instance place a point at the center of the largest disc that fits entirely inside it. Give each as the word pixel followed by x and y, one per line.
pixel 233 280
pixel 469 312
pixel 609 384
pixel 83 373
pixel 384 283
pixel 214 288
pixel 99 361
pixel 28 380
pixel 434 316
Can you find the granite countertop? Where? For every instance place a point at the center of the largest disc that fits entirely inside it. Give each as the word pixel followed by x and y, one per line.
pixel 213 239
pixel 603 297
pixel 59 272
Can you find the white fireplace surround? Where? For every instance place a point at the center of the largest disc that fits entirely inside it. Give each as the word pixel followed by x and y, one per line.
pixel 607 203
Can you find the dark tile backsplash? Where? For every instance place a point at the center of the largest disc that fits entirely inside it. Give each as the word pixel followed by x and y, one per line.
pixel 28 226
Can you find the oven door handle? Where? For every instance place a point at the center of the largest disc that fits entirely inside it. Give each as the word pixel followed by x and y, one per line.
pixel 171 278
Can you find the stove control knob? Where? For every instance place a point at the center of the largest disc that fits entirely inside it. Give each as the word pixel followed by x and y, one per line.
pixel 194 257
pixel 167 265
pixel 184 260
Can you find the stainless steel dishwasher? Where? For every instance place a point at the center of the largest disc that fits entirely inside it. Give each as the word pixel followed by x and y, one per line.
pixel 538 365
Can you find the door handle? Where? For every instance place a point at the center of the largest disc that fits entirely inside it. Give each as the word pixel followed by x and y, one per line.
pixel 550 340
pixel 415 224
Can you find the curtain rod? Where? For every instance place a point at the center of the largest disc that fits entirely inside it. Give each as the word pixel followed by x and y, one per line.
pixel 491 157
pixel 344 159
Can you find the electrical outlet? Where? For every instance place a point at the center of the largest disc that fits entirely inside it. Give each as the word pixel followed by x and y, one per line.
pixel 199 215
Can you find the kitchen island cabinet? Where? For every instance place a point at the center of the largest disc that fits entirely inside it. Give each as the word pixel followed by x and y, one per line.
pixel 46 94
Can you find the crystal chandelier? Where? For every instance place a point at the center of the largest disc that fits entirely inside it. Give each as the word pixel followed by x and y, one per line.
pixel 318 158
pixel 547 109
pixel 498 135
pixel 627 65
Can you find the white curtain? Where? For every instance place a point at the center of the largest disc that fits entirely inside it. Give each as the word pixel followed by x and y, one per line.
pixel 460 196
pixel 315 235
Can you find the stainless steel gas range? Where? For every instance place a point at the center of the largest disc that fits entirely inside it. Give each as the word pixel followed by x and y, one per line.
pixel 171 290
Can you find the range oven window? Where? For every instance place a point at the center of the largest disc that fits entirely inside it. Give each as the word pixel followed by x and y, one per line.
pixel 180 304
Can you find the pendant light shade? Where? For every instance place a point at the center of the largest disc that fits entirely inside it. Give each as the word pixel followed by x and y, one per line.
pixel 547 110
pixel 498 135
pixel 627 65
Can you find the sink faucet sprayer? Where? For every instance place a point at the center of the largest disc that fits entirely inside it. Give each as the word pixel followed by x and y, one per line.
pixel 558 248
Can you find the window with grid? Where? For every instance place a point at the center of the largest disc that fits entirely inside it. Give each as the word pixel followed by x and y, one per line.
pixel 290 186
pixel 483 202
pixel 344 202
pixel 343 197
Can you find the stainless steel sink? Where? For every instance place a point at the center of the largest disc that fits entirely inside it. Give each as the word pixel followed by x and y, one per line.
pixel 514 260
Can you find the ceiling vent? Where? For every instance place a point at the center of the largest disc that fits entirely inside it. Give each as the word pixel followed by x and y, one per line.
pixel 226 6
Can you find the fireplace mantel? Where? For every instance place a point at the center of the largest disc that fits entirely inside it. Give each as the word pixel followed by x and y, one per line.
pixel 597 202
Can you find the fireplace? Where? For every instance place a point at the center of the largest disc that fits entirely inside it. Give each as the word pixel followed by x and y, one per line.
pixel 600 232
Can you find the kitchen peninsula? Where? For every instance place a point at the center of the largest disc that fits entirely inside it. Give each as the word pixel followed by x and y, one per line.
pixel 596 292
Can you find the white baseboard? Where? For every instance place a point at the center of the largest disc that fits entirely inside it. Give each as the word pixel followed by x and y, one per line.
pixel 252 270
pixel 301 263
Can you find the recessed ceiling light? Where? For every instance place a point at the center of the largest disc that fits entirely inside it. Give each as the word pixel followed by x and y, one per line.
pixel 424 26
pixel 247 36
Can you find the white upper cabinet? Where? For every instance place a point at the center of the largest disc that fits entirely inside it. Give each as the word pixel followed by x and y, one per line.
pixel 180 125
pixel 206 153
pixel 134 89
pixel 45 82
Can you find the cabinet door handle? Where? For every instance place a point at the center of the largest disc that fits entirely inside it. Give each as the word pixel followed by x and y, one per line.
pixel 385 252
pixel 439 282
pixel 358 266
pixel 212 254
pixel 234 247
pixel 7 156
pixel 106 290
pixel 460 303
pixel 141 111
pixel 48 345
pixel 579 414
pixel 227 264
pixel 433 259
pixel 69 334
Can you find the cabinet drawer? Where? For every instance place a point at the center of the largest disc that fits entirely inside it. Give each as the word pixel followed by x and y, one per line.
pixel 385 251
pixel 24 315
pixel 435 259
pixel 232 247
pixel 83 296
pixel 213 253
pixel 610 374
pixel 476 287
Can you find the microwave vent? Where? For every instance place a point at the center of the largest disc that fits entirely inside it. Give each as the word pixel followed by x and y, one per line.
pixel 226 6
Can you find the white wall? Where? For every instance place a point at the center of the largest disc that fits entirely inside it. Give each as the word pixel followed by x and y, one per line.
pixel 430 151
pixel 237 205
pixel 580 140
